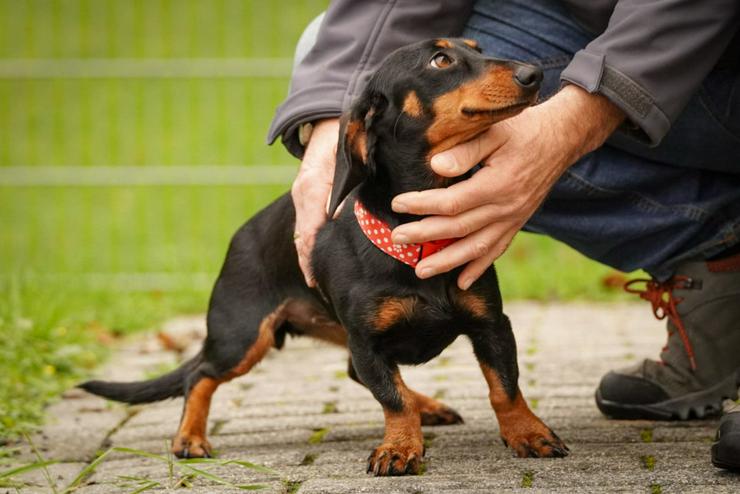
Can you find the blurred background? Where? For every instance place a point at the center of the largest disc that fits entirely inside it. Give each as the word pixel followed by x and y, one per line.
pixel 132 145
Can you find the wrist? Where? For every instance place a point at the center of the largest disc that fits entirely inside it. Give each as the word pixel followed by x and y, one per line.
pixel 586 120
pixel 307 130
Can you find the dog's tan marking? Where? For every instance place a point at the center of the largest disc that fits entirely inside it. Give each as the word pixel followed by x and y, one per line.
pixel 475 304
pixel 433 412
pixel 191 436
pixel 442 43
pixel 315 322
pixel 393 310
pixel 495 90
pixel 402 447
pixel 472 43
pixel 357 138
pixel 412 106
pixel 265 341
pixel 521 429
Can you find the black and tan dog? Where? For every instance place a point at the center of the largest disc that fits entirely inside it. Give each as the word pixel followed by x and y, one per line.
pixel 425 98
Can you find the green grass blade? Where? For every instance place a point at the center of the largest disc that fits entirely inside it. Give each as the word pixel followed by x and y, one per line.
pixel 138 452
pixel 26 468
pixel 223 463
pixel 250 465
pixel 86 472
pixel 146 487
pixel 208 475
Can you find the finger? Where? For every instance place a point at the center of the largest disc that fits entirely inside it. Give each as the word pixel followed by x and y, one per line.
pixel 463 251
pixel 462 196
pixel 442 227
pixel 477 267
pixel 461 158
pixel 304 262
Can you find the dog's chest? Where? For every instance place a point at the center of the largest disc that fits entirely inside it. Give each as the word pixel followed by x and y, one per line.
pixel 409 330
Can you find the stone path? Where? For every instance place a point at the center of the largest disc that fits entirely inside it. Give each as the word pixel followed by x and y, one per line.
pixel 299 414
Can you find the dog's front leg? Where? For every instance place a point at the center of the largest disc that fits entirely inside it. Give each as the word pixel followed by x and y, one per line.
pixel 402 448
pixel 522 430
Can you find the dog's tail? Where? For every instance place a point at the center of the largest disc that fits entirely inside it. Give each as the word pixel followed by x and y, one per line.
pixel 166 386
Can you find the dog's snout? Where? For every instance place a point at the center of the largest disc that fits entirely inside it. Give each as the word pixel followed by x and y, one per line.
pixel 528 76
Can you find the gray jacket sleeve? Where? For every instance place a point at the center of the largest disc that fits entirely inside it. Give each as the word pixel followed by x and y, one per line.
pixel 354 37
pixel 653 56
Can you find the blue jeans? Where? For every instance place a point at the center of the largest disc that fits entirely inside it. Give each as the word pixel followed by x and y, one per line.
pixel 627 205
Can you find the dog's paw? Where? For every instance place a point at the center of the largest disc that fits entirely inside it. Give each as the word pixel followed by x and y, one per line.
pixel 541 443
pixel 191 447
pixel 395 459
pixel 443 415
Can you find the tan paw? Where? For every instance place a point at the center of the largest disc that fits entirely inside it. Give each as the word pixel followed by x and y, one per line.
pixel 541 442
pixel 442 415
pixel 395 459
pixel 191 447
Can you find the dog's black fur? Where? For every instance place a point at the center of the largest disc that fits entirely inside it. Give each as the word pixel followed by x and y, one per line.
pixel 423 99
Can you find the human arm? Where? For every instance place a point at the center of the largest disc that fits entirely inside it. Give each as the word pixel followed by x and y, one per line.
pixel 311 189
pixel 651 57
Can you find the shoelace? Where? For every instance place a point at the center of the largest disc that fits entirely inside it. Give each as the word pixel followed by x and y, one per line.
pixel 660 295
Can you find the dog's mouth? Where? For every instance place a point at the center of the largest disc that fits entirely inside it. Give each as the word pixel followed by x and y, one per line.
pixel 495 112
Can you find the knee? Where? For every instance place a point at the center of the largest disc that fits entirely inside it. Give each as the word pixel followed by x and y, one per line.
pixel 307 39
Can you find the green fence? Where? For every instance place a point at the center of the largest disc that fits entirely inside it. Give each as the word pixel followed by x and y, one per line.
pixel 132 144
pixel 132 134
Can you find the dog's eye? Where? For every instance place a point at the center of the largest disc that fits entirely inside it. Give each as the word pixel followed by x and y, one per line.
pixel 440 61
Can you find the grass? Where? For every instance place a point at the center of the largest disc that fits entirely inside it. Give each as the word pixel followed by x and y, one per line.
pixel 318 435
pixel 648 462
pixel 82 266
pixel 180 474
pixel 527 479
pixel 646 435
pixel 55 335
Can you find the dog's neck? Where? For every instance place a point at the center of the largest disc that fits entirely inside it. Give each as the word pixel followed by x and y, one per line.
pixel 399 169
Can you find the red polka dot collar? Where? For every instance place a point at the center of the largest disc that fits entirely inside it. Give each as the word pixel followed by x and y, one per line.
pixel 379 233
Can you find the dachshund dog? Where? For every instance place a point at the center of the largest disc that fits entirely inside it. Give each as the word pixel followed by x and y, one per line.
pixel 424 98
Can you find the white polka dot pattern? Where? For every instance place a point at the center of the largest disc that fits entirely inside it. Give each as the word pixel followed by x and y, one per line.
pixel 379 234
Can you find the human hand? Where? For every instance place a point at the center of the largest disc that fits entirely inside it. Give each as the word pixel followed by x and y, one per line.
pixel 523 157
pixel 311 190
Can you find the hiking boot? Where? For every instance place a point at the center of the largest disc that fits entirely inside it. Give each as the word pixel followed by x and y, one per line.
pixel 726 448
pixel 700 364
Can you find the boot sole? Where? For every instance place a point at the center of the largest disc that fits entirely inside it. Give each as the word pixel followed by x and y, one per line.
pixel 698 405
pixel 732 467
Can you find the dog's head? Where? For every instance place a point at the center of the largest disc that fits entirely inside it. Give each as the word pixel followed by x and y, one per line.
pixel 424 99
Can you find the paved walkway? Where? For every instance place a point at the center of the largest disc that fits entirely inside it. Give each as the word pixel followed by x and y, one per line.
pixel 300 415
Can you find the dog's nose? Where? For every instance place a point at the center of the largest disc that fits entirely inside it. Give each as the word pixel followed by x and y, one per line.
pixel 528 76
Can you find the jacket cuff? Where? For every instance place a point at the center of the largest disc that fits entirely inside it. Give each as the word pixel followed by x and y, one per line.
pixel 304 106
pixel 645 120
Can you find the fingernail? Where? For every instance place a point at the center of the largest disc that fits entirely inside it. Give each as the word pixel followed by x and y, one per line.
pixel 465 284
pixel 399 238
pixel 399 207
pixel 426 273
pixel 441 162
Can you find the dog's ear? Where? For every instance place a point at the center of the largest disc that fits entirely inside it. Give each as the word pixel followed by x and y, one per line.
pixel 355 148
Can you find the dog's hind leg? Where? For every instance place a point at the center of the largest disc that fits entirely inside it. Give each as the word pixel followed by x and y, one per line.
pixel 190 441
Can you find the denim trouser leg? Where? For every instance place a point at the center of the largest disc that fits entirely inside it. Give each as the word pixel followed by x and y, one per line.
pixel 627 205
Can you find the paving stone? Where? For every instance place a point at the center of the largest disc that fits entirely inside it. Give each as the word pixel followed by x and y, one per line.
pixel 299 414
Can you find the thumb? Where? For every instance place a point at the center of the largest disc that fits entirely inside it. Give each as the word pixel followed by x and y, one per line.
pixel 461 158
